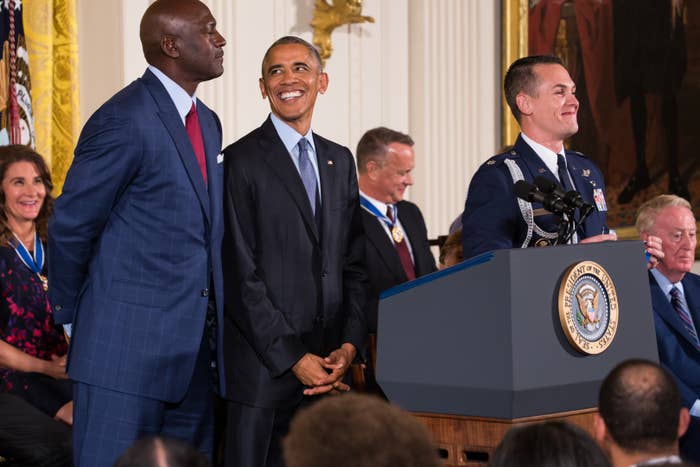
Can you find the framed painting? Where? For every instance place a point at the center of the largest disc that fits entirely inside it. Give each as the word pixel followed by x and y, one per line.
pixel 636 64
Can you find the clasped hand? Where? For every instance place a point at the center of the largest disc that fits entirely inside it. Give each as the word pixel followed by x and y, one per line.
pixel 324 375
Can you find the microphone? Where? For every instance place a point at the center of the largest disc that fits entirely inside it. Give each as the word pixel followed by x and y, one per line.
pixel 571 198
pixel 529 192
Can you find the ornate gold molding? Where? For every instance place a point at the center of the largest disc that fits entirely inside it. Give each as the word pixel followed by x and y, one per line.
pixel 513 46
pixel 326 18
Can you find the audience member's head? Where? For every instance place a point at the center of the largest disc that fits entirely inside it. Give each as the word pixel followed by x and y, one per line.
pixel 156 451
pixel 451 250
pixel 355 430
pixel 670 218
pixel 640 413
pixel 385 160
pixel 549 444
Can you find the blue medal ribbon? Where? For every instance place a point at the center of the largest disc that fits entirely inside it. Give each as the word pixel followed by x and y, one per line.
pixel 34 263
pixel 367 204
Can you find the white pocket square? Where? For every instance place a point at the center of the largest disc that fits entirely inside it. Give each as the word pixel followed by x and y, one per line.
pixel 220 158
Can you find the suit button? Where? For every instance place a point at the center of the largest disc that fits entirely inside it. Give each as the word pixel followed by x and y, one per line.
pixel 324 273
pixel 205 292
pixel 58 307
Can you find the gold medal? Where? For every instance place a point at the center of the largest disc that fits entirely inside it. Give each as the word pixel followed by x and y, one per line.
pixel 397 234
pixel 44 282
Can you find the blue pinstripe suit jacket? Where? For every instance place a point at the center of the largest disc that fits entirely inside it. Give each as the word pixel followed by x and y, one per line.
pixel 135 244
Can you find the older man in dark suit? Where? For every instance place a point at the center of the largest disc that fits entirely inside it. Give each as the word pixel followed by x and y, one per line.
pixel 294 249
pixel 675 297
pixel 397 240
pixel 135 247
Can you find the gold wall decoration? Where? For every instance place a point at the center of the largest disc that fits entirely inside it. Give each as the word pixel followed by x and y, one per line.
pixel 52 40
pixel 513 47
pixel 328 17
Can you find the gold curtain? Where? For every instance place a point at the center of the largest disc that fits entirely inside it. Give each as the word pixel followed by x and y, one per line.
pixel 50 27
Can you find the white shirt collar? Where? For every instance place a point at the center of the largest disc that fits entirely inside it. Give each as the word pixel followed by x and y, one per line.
pixel 289 136
pixel 381 207
pixel 672 459
pixel 548 156
pixel 666 285
pixel 182 100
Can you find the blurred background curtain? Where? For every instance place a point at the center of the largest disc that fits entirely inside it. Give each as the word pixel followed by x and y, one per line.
pixel 50 27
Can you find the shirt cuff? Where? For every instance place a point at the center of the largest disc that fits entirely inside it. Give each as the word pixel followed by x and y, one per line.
pixel 67 329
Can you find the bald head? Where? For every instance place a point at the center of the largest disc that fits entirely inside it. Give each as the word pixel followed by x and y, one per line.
pixel 156 451
pixel 179 37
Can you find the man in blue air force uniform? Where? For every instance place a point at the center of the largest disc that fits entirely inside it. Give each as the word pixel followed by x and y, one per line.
pixel 540 94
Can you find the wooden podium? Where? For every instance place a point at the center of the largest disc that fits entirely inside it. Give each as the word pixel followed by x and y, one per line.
pixel 478 348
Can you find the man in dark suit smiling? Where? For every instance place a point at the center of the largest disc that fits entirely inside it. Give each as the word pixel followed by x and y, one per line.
pixel 397 241
pixel 294 248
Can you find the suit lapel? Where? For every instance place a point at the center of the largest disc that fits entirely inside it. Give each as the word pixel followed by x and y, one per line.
pixel 279 161
pixel 211 133
pixel 532 162
pixel 327 172
pixel 665 310
pixel 378 237
pixel 168 114
pixel 691 290
pixel 584 182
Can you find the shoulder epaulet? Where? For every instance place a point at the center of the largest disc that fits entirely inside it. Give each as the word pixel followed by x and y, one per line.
pixel 576 153
pixel 499 158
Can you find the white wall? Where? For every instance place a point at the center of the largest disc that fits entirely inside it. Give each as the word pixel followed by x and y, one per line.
pixel 430 68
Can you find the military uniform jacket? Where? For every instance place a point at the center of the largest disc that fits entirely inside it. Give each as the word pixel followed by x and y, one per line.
pixel 493 218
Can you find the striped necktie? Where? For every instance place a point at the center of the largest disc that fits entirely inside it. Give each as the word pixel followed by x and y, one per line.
pixel 684 315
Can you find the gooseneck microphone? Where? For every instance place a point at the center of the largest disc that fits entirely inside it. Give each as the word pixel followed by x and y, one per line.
pixel 550 201
pixel 571 198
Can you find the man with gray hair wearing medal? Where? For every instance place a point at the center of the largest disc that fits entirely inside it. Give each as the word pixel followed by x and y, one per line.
pixel 397 241
pixel 397 248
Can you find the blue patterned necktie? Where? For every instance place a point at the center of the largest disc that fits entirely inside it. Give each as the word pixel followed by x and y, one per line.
pixel 306 170
pixel 684 315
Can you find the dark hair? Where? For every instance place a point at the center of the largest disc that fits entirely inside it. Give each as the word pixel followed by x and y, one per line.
pixel 549 444
pixel 452 243
pixel 521 77
pixel 20 153
pixel 373 145
pixel 292 40
pixel 355 430
pixel 640 405
pixel 148 451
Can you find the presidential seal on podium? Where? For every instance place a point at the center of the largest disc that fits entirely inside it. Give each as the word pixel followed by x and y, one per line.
pixel 588 307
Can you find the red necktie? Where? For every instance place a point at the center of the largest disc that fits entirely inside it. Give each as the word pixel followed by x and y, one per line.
pixel 402 248
pixel 195 133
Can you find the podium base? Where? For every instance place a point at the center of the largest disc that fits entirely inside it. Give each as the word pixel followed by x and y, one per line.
pixel 470 441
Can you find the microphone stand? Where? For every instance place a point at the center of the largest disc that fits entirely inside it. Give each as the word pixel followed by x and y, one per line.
pixel 574 224
pixel 566 229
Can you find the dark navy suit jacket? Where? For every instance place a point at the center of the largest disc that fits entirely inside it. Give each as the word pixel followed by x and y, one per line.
pixel 492 218
pixel 383 263
pixel 135 244
pixel 290 288
pixel 677 352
